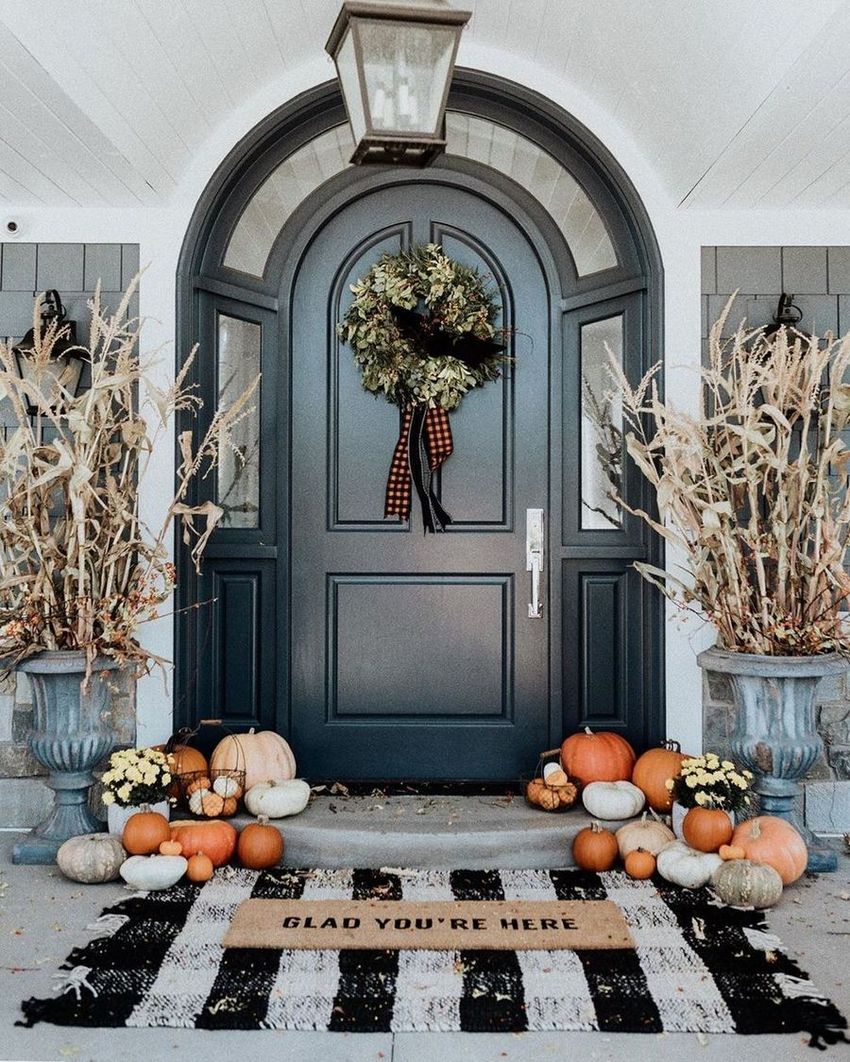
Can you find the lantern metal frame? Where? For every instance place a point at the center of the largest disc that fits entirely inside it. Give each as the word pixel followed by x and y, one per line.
pixel 394 146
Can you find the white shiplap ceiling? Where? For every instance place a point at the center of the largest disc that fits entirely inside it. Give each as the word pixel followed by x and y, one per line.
pixel 738 103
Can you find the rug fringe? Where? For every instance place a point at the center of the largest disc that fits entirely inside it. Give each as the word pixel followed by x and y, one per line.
pixel 827 1036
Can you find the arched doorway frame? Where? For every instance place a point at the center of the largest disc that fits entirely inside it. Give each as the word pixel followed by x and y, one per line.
pixel 201 274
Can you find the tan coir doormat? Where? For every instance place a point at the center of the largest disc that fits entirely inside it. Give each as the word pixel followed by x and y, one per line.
pixel 445 925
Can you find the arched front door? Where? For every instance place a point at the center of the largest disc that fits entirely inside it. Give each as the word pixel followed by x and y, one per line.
pixel 415 654
pixel 379 651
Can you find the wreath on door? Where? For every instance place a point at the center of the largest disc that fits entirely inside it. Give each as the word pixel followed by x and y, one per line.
pixel 422 329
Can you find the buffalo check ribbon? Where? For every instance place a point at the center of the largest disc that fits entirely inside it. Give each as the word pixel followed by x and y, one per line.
pixel 424 443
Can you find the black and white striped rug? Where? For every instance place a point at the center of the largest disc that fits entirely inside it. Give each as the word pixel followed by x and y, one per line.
pixel 696 967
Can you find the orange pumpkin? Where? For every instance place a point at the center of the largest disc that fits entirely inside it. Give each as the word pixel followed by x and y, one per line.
pixel 595 848
pixel 260 845
pixel 706 829
pixel 201 782
pixel 769 839
pixel 599 757
pixel 144 832
pixel 639 864
pixel 652 771
pixel 186 760
pixel 731 851
pixel 171 848
pixel 213 836
pixel 200 867
pixel 264 756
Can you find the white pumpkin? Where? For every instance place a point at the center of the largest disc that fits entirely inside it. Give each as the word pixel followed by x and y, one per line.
pixel 197 799
pixel 682 865
pixel 649 834
pixel 225 786
pixel 277 800
pixel 153 872
pixel 613 800
pixel 91 858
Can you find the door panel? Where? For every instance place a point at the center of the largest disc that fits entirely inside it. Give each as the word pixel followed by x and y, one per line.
pixel 413 655
pixel 390 663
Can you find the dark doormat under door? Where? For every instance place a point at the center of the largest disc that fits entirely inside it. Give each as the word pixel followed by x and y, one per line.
pixel 695 966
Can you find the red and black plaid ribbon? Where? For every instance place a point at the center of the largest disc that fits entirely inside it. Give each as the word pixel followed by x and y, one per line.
pixel 423 445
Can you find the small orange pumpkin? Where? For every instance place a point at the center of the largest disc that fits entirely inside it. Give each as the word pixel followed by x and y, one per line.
pixel 145 831
pixel 595 848
pixel 640 864
pixel 199 868
pixel 706 829
pixel 260 845
pixel 171 848
pixel 198 783
pixel 731 851
pixel 599 757
pixel 652 771
pixel 229 807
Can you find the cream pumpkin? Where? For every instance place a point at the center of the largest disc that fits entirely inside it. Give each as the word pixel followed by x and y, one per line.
pixel 277 800
pixel 263 756
pixel 613 800
pixel 153 872
pixel 682 865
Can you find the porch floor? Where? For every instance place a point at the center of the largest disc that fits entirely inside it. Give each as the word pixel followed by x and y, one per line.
pixel 43 916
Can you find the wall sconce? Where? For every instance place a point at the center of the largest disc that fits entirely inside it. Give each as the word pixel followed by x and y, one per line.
pixel 395 62
pixel 64 369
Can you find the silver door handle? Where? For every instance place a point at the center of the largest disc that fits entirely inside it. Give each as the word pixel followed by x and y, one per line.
pixel 534 555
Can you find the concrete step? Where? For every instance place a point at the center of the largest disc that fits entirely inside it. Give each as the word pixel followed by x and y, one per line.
pixel 470 832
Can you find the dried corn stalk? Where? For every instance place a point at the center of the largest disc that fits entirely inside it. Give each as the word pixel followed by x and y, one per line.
pixel 754 493
pixel 79 569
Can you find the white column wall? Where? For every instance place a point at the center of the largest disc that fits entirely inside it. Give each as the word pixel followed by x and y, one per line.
pixel 680 233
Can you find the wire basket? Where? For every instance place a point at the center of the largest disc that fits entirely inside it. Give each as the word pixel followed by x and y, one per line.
pixel 559 794
pixel 212 794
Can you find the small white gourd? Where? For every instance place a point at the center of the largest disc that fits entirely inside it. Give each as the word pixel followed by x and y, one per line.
pixel 153 872
pixel 278 800
pixel 613 800
pixel 226 787
pixel 682 865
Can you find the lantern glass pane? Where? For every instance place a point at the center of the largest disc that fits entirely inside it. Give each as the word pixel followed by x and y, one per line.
pixel 51 379
pixel 406 68
pixel 349 79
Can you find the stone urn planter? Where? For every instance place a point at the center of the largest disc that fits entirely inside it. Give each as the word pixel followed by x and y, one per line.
pixel 775 735
pixel 70 737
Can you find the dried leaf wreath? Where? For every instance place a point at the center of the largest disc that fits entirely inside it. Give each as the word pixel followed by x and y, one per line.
pixel 422 328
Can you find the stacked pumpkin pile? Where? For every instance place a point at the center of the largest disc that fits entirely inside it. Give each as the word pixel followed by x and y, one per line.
pixel 153 853
pixel 257 767
pixel 746 865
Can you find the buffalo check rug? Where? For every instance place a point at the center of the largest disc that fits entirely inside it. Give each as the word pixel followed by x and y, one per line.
pixel 695 966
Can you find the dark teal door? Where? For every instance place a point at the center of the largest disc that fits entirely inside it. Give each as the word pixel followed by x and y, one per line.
pixel 414 656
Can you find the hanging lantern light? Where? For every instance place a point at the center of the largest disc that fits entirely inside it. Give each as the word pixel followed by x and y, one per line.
pixel 394 62
pixel 64 369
